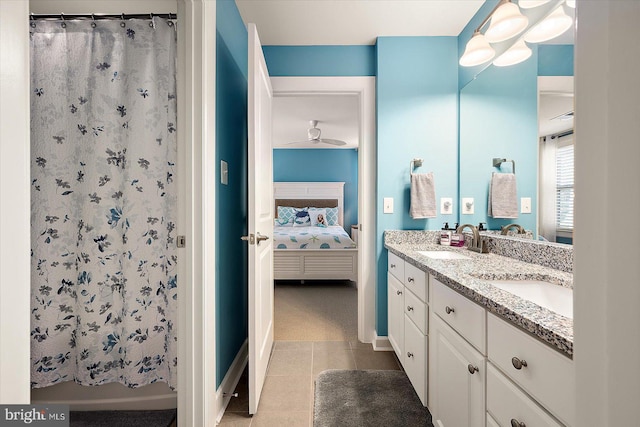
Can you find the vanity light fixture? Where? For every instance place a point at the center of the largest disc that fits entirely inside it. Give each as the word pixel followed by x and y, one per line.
pixel 506 22
pixel 552 26
pixel 528 4
pixel 478 51
pixel 514 55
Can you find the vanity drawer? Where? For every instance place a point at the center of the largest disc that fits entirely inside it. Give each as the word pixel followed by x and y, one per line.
pixel 462 314
pixel 506 402
pixel 415 358
pixel 396 266
pixel 415 310
pixel 548 376
pixel 416 280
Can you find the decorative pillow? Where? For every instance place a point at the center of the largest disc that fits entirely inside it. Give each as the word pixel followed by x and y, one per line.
pixel 301 218
pixel 332 216
pixel 280 222
pixel 318 217
pixel 286 214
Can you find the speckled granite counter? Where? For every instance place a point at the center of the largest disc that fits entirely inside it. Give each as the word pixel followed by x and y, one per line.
pixel 470 278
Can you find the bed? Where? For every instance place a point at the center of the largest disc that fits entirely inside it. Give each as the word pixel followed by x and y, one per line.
pixel 311 252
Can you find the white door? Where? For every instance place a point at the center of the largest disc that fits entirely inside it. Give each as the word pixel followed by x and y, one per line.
pixel 260 218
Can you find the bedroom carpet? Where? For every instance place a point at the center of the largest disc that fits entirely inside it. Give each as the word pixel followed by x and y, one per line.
pixel 163 418
pixel 367 398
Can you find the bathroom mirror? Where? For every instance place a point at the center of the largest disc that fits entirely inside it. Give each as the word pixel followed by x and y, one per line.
pixel 499 118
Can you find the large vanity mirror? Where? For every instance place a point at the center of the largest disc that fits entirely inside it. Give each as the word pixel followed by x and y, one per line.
pixel 506 113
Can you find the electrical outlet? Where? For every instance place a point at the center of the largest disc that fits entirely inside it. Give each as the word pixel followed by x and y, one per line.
pixel 525 205
pixel 467 205
pixel 446 205
pixel 387 205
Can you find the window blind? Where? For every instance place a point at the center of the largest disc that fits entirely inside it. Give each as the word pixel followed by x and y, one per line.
pixel 564 188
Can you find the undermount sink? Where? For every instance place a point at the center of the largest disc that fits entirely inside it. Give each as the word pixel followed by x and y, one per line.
pixel 443 255
pixel 556 298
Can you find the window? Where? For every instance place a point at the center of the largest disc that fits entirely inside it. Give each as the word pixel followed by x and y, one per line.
pixel 564 187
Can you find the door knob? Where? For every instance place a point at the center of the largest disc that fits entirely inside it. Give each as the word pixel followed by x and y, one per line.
pixel 518 363
pixel 250 238
pixel 472 369
pixel 449 310
pixel 261 238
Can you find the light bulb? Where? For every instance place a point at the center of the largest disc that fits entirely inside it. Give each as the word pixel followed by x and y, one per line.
pixel 571 3
pixel 528 4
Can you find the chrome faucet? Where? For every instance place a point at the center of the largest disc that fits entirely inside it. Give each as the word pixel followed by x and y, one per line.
pixel 477 244
pixel 506 228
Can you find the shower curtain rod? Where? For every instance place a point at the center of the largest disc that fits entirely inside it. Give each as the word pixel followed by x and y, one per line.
pixel 98 16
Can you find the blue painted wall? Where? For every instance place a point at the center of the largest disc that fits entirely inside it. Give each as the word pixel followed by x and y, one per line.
pixel 555 60
pixel 231 200
pixel 417 116
pixel 319 165
pixel 320 60
pixel 499 118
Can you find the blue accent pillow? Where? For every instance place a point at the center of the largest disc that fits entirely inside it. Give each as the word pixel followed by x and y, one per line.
pixel 302 218
pixel 285 214
pixel 332 216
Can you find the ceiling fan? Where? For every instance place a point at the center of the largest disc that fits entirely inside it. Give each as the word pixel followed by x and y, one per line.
pixel 313 136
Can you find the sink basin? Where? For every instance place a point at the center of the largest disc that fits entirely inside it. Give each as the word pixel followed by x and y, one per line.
pixel 556 298
pixel 443 255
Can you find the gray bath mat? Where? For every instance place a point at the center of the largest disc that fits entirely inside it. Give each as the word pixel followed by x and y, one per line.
pixel 162 418
pixel 367 398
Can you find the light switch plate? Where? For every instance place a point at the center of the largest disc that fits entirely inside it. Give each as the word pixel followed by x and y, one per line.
pixel 387 205
pixel 446 205
pixel 525 205
pixel 467 205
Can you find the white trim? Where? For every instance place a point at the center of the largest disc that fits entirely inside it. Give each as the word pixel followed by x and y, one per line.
pixel 231 380
pixel 364 88
pixel 196 111
pixel 382 343
pixel 15 203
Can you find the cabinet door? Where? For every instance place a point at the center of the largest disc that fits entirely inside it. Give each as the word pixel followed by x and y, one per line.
pixel 456 379
pixel 395 309
pixel 415 358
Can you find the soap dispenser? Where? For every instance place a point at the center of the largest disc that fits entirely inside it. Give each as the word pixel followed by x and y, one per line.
pixel 445 235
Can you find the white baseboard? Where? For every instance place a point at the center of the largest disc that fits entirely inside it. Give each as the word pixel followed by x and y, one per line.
pixel 231 379
pixel 381 343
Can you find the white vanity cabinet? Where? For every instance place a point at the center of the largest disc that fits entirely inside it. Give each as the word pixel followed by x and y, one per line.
pixel 521 361
pixel 457 370
pixel 407 291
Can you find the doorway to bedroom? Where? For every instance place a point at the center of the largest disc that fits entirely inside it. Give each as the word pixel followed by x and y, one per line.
pixel 315 173
pixel 323 135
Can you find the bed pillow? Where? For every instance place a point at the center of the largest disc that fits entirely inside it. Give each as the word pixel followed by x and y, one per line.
pixel 285 214
pixel 318 217
pixel 332 216
pixel 280 222
pixel 301 218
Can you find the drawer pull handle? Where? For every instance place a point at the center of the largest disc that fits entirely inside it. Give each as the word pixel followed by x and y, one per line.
pixel 472 369
pixel 398 292
pixel 409 308
pixel 517 363
pixel 409 354
pixel 393 266
pixel 409 279
pixel 516 423
pixel 449 310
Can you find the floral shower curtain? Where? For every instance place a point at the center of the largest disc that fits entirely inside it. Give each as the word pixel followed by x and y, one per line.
pixel 103 202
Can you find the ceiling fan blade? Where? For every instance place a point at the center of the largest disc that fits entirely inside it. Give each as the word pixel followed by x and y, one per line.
pixel 332 141
pixel 297 142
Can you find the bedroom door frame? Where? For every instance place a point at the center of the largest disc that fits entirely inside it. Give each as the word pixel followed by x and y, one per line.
pixel 364 89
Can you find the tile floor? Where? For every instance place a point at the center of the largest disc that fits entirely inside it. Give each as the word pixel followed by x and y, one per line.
pixel 315 329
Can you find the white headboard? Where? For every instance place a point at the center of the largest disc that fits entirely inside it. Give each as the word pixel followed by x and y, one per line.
pixel 311 191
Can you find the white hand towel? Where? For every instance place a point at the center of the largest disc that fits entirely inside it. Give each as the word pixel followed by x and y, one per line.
pixel 503 200
pixel 423 196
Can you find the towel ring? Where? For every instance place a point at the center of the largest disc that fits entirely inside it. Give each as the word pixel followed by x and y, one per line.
pixel 497 162
pixel 415 163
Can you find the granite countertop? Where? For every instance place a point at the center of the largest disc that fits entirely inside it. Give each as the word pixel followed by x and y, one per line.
pixel 470 278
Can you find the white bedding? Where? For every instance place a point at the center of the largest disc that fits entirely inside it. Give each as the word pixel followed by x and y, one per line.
pixel 331 237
